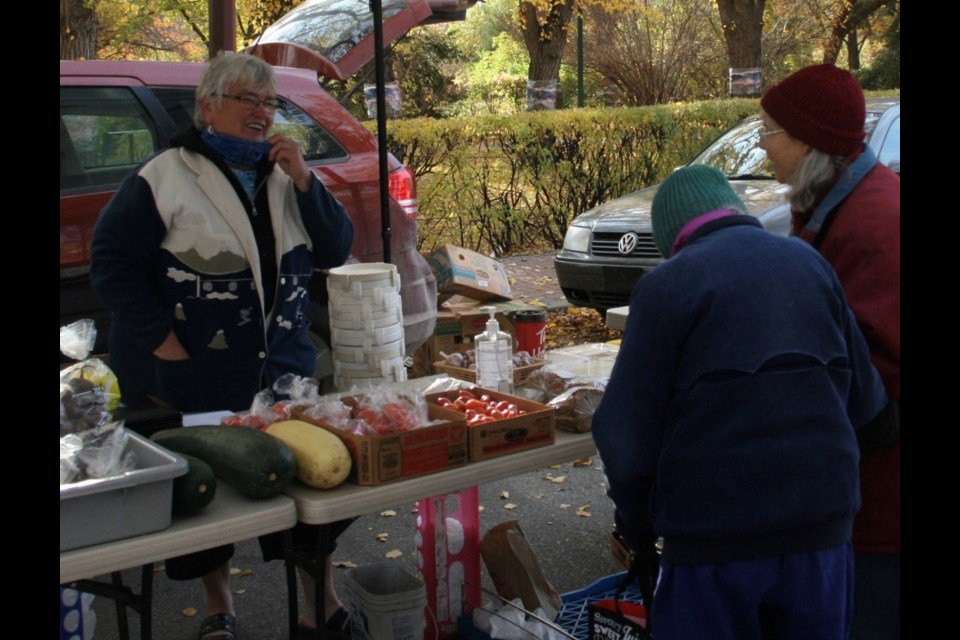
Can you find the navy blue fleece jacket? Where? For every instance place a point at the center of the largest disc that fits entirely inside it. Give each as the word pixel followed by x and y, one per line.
pixel 728 425
pixel 181 247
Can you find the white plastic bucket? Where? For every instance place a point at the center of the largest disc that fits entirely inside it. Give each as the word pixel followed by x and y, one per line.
pixel 386 602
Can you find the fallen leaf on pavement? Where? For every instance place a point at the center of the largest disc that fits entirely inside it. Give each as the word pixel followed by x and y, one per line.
pixel 555 480
pixel 504 495
pixel 565 506
pixel 538 496
pixel 584 511
pixel 344 564
pixel 246 572
pixel 510 506
pixel 583 462
pixel 234 571
pixel 239 592
pixel 390 555
pixel 189 612
pixel 382 537
pixel 389 513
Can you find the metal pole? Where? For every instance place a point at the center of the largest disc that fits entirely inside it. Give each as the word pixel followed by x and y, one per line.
pixel 580 92
pixel 223 26
pixel 377 9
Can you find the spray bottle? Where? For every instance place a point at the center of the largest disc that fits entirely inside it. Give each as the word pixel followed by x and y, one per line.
pixel 494 349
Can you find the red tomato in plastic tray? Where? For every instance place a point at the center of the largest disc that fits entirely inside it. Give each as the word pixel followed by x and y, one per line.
pixel 480 410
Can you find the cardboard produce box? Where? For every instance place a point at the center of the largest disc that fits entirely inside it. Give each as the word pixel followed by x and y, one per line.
pixel 381 459
pixel 536 428
pixel 468 273
pixel 458 322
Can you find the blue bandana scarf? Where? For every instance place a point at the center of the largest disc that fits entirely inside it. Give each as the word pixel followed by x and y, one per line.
pixel 234 150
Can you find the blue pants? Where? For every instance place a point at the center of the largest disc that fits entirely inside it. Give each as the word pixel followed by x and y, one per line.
pixel 799 596
pixel 876 601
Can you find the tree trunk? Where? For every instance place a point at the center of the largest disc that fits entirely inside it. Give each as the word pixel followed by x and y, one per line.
pixel 850 16
pixel 853 50
pixel 545 41
pixel 742 24
pixel 78 30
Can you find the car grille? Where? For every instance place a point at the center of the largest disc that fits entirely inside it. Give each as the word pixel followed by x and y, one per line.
pixel 607 244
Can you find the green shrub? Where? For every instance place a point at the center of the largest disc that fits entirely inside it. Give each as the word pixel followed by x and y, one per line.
pixel 505 185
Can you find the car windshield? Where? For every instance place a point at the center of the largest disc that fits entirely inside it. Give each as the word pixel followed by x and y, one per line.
pixel 736 152
pixel 738 155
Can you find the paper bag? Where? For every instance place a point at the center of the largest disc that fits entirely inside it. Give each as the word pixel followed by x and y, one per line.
pixel 514 569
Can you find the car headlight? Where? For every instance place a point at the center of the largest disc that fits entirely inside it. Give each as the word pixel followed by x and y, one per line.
pixel 577 239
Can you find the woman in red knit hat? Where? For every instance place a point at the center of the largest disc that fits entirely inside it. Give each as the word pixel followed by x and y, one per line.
pixel 847 205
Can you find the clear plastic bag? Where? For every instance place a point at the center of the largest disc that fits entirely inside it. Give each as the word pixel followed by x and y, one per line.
pixel 89 392
pixel 95 453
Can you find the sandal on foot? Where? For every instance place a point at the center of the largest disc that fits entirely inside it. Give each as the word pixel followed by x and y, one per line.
pixel 219 626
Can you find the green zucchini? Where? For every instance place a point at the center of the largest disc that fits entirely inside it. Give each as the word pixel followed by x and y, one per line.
pixel 257 465
pixel 196 489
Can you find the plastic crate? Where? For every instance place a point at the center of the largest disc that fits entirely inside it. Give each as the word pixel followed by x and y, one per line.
pixel 129 504
pixel 520 374
pixel 573 617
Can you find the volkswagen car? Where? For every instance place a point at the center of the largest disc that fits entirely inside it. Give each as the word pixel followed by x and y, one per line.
pixel 608 248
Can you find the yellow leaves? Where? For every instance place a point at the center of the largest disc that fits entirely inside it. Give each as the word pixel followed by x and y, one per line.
pixel 555 479
pixel 382 537
pixel 584 511
pixel 392 555
pixel 389 513
pixel 504 495
pixel 510 506
pixel 189 612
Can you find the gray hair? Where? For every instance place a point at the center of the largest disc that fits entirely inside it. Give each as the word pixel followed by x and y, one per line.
pixel 816 170
pixel 230 68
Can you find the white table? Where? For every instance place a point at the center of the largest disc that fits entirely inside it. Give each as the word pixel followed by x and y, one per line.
pixel 617 318
pixel 322 507
pixel 229 518
pixel 317 506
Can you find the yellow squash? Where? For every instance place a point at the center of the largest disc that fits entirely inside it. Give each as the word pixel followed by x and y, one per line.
pixel 323 461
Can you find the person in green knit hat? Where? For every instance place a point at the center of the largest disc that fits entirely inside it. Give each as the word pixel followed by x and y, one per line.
pixel 733 422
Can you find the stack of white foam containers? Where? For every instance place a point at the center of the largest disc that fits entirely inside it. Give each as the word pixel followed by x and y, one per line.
pixel 366 325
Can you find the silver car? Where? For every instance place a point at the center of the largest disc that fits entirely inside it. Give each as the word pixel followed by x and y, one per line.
pixel 609 247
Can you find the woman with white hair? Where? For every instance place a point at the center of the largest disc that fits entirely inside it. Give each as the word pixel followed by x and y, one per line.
pixel 204 257
pixel 847 205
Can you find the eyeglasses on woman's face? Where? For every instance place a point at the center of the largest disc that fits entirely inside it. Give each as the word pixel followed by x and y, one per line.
pixel 251 102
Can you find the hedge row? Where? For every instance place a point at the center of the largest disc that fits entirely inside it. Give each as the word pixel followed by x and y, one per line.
pixel 512 184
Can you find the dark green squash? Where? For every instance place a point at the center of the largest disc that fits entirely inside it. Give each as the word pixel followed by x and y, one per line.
pixel 196 489
pixel 257 465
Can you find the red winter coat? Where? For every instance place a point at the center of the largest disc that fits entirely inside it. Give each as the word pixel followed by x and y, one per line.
pixel 862 242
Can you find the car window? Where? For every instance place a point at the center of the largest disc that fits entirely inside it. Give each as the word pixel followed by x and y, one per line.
pixel 316 142
pixel 736 152
pixel 890 150
pixel 104 134
pixel 330 27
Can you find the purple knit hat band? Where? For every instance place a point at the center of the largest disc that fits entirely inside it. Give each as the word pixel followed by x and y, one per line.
pixel 822 106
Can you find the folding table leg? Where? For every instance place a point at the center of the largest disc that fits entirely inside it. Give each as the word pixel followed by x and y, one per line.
pixel 314 563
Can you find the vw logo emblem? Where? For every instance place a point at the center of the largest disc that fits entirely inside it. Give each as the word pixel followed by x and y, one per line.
pixel 628 242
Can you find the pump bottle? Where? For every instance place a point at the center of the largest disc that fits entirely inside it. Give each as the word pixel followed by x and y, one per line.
pixel 494 350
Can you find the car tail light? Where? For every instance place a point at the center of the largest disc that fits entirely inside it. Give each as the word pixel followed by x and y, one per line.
pixel 403 189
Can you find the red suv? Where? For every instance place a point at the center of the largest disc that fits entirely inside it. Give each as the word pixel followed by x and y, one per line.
pixel 114 115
